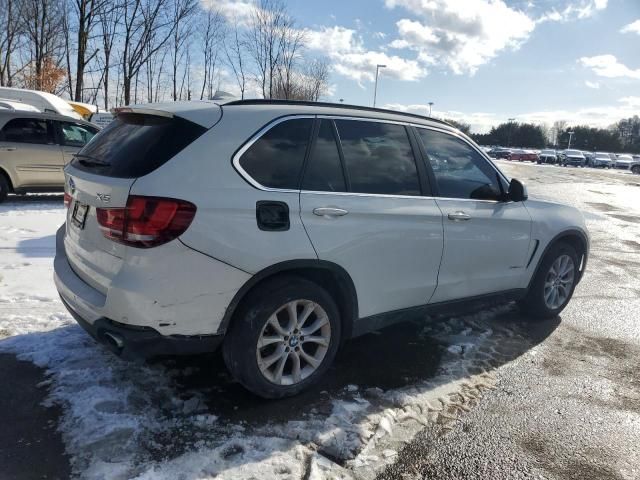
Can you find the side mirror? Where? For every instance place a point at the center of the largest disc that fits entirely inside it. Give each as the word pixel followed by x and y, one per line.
pixel 517 191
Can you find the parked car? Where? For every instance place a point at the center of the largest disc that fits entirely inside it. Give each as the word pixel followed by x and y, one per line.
pixel 278 229
pixel 34 148
pixel 572 157
pixel 43 101
pixel 626 162
pixel 548 156
pixel 601 160
pixel 588 157
pixel 500 152
pixel 523 155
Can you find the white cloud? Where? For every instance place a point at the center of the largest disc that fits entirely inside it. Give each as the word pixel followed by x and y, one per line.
pixel 481 122
pixel 348 56
pixel 460 35
pixel 633 27
pixel 235 10
pixel 609 66
pixel 594 85
pixel 579 10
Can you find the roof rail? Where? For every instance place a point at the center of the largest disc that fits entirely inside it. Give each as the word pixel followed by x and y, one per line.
pixel 262 101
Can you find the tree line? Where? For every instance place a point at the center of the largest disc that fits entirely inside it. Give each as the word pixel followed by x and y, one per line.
pixel 115 52
pixel 623 136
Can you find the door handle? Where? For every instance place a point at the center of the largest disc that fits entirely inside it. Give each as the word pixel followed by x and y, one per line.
pixel 459 216
pixel 329 212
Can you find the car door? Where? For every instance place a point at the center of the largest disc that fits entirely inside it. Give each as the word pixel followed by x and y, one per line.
pixel 486 239
pixel 28 148
pixel 73 137
pixel 366 208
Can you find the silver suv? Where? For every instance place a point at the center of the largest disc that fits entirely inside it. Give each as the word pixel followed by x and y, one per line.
pixel 278 230
pixel 35 147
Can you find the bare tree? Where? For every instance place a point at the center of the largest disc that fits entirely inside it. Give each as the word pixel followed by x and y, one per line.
pixel 145 31
pixel 234 49
pixel 44 34
pixel 266 40
pixel 109 21
pixel 86 15
pixel 212 36
pixel 10 29
pixel 182 12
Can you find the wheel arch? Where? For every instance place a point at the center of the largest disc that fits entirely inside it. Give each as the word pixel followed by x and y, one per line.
pixel 576 239
pixel 328 275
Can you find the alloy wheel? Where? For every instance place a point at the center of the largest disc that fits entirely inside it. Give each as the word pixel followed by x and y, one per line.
pixel 293 342
pixel 559 282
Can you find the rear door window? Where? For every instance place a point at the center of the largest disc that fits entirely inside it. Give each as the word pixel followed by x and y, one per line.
pixel 378 158
pixel 28 130
pixel 324 168
pixel 134 145
pixel 275 160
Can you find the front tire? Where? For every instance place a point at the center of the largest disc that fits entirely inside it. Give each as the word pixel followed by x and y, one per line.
pixel 283 337
pixel 554 283
pixel 4 188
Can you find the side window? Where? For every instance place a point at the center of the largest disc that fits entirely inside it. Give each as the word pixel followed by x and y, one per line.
pixel 27 130
pixel 378 158
pixel 275 159
pixel 460 171
pixel 324 170
pixel 76 135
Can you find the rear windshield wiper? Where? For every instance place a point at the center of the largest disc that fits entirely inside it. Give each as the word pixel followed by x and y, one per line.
pixel 89 160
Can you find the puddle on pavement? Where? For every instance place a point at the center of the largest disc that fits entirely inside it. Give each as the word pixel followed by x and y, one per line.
pixel 391 358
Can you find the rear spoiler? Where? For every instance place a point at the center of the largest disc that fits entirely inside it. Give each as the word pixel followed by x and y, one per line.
pixel 142 111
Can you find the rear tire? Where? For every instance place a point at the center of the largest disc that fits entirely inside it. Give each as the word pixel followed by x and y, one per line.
pixel 283 337
pixel 554 283
pixel 4 188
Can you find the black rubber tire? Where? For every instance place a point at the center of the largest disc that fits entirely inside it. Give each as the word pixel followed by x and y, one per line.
pixel 533 305
pixel 239 347
pixel 4 188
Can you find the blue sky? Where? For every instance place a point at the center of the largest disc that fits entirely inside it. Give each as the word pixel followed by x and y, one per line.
pixel 481 61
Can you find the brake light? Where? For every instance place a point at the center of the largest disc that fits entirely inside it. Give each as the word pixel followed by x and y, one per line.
pixel 146 221
pixel 67 200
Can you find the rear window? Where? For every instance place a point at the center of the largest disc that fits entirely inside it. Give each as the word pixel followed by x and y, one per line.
pixel 134 145
pixel 275 159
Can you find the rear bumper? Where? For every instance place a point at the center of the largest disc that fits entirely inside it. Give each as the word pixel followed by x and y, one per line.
pixel 141 343
pixel 144 335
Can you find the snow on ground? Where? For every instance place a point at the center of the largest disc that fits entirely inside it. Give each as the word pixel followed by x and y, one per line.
pixel 126 420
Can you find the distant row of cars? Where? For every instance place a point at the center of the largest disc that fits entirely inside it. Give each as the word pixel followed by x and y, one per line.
pixel 569 157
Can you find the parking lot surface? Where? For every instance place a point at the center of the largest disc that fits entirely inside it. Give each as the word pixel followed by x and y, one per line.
pixel 484 395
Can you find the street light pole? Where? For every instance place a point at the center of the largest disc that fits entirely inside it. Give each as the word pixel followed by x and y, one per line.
pixel 430 105
pixel 510 120
pixel 570 135
pixel 375 88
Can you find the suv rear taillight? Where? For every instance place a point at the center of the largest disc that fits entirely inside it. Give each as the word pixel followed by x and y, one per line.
pixel 146 221
pixel 67 200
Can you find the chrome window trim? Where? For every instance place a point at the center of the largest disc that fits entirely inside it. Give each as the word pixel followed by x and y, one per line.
pixel 237 156
pixel 245 175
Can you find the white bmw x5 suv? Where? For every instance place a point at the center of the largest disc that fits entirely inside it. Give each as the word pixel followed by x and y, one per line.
pixel 277 230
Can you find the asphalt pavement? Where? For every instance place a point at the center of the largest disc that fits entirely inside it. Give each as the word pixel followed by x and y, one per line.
pixel 569 408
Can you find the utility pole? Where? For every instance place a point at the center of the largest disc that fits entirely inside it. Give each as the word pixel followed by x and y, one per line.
pixel 375 88
pixel 510 120
pixel 570 135
pixel 430 105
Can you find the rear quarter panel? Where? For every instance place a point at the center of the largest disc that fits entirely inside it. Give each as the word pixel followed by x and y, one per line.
pixel 225 224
